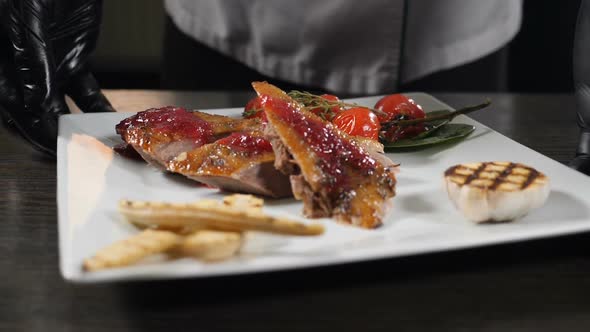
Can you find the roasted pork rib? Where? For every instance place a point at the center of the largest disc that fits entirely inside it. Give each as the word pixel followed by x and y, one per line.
pixel 330 172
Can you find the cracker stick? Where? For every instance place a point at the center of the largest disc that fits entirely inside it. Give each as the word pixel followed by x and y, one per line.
pixel 211 215
pixel 210 245
pixel 234 201
pixel 244 201
pixel 132 249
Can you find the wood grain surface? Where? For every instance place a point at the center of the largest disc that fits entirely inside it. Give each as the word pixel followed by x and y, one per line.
pixel 541 285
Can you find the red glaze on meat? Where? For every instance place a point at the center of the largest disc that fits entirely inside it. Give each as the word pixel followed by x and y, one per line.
pixel 160 134
pixel 246 143
pixel 335 175
pixel 173 122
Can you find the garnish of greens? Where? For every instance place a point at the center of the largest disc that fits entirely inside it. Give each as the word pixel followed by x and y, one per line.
pixel 438 129
pixel 445 133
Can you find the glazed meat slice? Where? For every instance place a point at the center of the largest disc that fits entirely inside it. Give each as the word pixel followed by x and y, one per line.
pixel 160 134
pixel 240 162
pixel 223 152
pixel 333 174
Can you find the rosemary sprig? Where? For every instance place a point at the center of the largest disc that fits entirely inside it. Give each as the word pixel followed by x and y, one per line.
pixel 311 101
pixel 251 112
pixel 448 116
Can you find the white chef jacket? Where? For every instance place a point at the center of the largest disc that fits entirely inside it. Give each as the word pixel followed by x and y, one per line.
pixel 348 46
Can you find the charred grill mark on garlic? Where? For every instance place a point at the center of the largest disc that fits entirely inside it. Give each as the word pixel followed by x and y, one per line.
pixel 495 191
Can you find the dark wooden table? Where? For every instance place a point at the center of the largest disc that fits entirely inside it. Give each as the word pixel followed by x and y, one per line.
pixel 541 285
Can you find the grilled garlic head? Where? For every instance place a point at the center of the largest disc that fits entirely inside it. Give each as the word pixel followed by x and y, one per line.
pixel 495 191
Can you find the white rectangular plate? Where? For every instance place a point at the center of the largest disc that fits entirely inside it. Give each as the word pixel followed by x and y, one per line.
pixel 92 179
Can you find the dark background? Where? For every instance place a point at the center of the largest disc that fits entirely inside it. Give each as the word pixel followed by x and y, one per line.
pixel 538 60
pixel 540 57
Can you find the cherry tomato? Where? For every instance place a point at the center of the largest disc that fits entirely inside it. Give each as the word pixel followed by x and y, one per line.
pixel 398 104
pixel 400 107
pixel 254 109
pixel 327 114
pixel 358 121
pixel 335 108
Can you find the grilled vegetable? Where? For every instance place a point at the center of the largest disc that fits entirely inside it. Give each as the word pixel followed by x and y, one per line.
pixel 133 249
pixel 496 191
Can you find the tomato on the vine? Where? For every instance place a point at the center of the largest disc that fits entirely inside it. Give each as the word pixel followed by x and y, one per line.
pixel 399 107
pixel 398 104
pixel 254 109
pixel 330 113
pixel 358 121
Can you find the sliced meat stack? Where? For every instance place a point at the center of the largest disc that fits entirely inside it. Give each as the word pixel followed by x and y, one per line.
pixel 296 153
pixel 330 172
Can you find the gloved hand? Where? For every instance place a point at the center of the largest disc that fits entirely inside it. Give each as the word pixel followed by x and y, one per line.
pixel 44 51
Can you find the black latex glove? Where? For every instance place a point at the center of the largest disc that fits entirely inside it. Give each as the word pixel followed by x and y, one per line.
pixel 44 51
pixel 582 86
